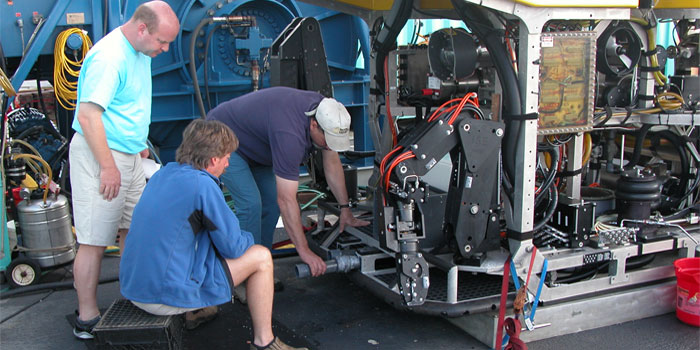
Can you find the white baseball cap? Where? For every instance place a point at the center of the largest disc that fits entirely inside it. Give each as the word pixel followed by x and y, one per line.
pixel 334 119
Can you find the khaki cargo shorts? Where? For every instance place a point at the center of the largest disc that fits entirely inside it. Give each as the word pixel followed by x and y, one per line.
pixel 96 219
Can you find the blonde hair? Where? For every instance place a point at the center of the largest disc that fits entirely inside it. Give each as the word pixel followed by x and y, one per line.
pixel 203 140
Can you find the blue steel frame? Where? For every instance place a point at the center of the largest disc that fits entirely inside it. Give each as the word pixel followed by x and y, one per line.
pixel 55 19
pixel 173 93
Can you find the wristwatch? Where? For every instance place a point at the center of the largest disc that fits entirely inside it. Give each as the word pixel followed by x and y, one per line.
pixel 341 206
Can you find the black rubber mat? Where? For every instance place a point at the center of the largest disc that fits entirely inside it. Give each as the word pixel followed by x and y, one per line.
pixel 232 329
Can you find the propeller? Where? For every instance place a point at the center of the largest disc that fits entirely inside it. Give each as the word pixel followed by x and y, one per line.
pixel 619 50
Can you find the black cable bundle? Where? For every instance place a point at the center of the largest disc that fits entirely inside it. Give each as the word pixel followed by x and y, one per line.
pixel 386 38
pixel 477 20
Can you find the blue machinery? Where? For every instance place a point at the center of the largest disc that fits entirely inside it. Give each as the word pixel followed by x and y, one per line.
pixel 229 60
pixel 32 28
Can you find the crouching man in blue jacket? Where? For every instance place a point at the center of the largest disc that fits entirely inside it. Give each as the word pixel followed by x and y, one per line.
pixel 185 251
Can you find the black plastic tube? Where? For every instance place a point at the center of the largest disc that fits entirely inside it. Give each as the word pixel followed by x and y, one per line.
pixel 193 69
pixel 549 180
pixel 692 189
pixel 206 59
pixel 398 16
pixel 105 18
pixel 40 94
pixel 685 165
pixel 683 212
pixel 638 144
pixel 2 61
pixel 354 155
pixel 632 263
pixel 551 208
pixel 52 285
pixel 477 20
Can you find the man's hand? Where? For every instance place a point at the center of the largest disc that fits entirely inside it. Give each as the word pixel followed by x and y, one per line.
pixel 347 219
pixel 316 264
pixel 110 181
pixel 145 153
pixel 90 119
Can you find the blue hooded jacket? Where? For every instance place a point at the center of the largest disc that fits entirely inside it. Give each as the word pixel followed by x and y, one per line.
pixel 170 255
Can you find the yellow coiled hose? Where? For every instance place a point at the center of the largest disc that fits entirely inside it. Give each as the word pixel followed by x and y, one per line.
pixel 64 88
pixel 32 159
pixel 6 84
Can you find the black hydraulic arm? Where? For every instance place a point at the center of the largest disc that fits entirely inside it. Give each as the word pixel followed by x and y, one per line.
pixel 298 59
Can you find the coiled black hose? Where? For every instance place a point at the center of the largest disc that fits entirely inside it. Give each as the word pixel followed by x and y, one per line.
pixel 551 208
pixel 193 69
pixel 549 180
pixel 692 189
pixel 640 135
pixel 632 263
pixel 206 69
pixel 477 20
pixel 51 285
pixel 677 143
pixel 386 38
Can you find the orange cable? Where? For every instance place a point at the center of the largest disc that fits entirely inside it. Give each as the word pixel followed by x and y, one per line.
pixel 386 157
pixel 435 114
pixel 394 163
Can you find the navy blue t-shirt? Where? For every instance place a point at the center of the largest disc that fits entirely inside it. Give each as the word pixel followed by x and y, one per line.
pixel 271 127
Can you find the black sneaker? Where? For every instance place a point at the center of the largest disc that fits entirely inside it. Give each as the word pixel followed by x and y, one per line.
pixel 83 329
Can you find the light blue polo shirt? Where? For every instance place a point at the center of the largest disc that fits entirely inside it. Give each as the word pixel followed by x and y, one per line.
pixel 118 78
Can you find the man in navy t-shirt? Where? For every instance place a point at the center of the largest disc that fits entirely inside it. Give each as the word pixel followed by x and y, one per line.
pixel 277 128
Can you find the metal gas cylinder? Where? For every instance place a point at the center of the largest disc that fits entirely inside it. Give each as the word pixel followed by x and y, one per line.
pixel 46 230
pixel 636 192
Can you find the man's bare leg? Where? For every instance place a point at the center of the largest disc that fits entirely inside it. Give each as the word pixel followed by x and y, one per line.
pixel 86 273
pixel 255 266
pixel 122 239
